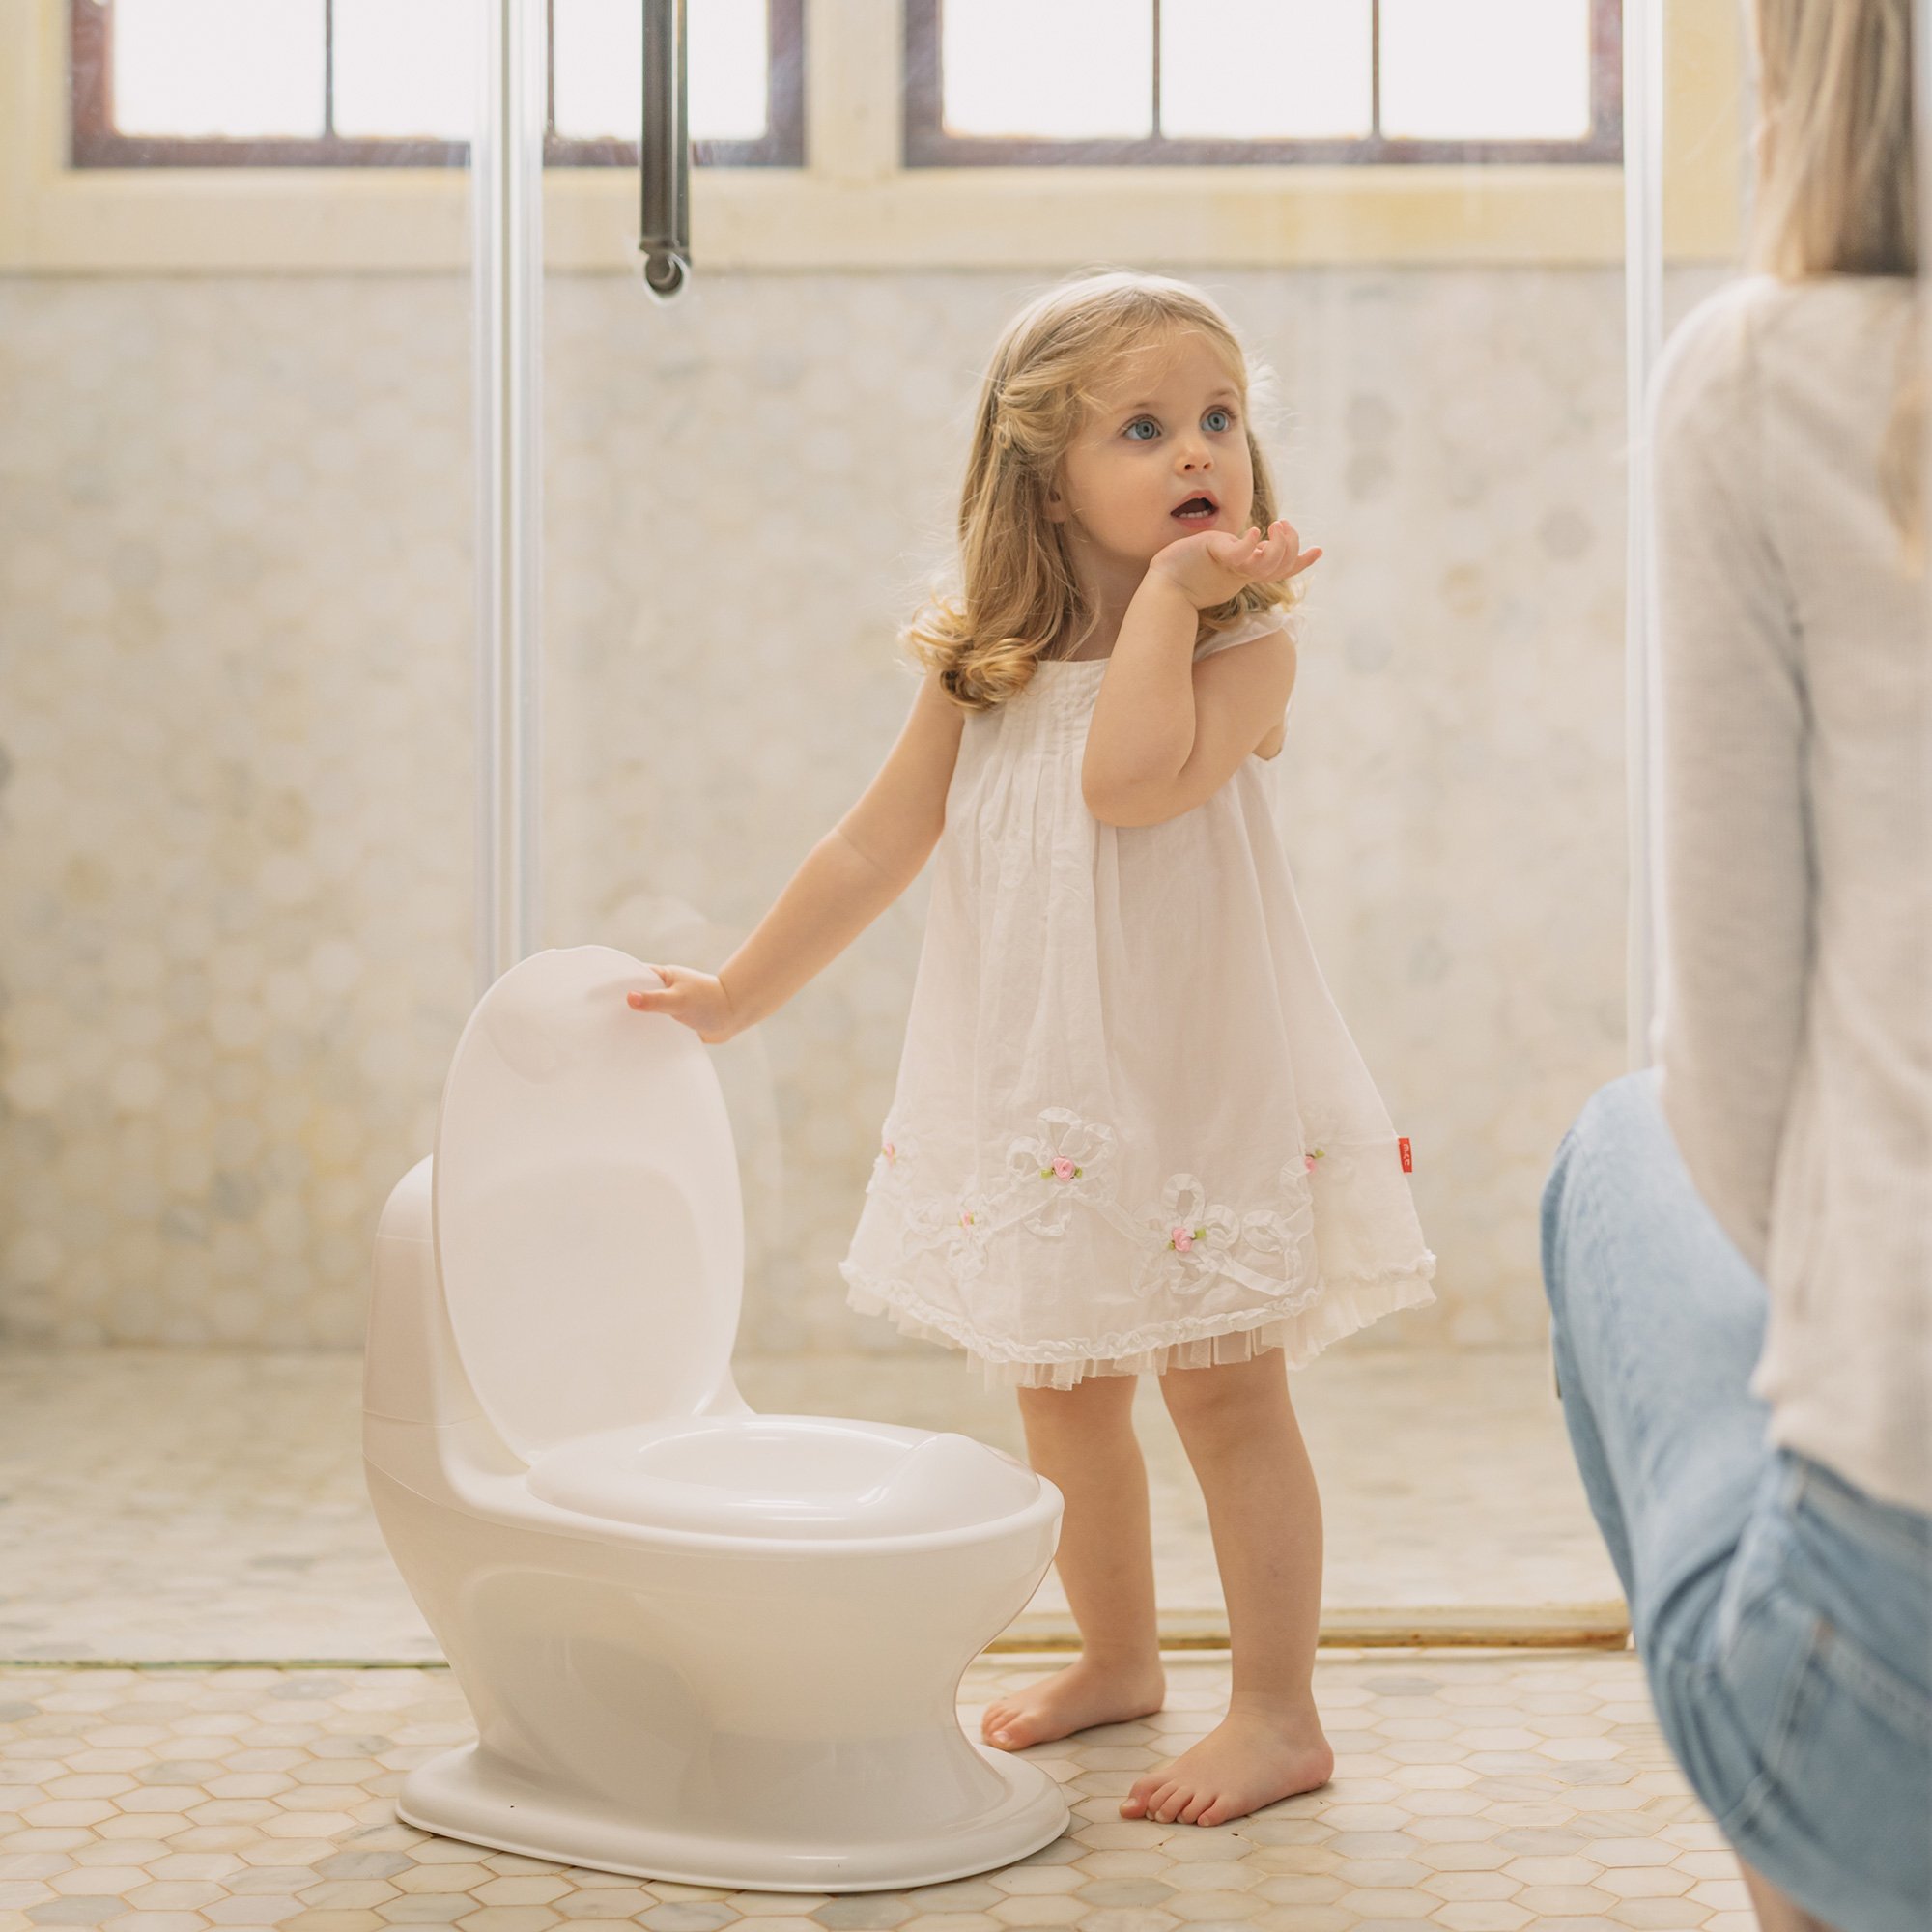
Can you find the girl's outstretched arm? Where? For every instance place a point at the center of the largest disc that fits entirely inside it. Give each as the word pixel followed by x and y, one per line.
pixel 846 881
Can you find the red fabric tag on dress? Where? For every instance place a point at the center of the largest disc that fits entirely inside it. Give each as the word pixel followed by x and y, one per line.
pixel 1407 1165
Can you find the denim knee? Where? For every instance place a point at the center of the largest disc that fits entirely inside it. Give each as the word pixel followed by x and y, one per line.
pixel 1551 1218
pixel 1611 1121
pixel 1619 1111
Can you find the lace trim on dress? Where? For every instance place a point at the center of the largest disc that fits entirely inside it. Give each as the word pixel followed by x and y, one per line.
pixel 1065 1166
pixel 1342 1308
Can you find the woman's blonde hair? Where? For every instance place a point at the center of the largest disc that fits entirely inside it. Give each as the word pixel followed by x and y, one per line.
pixel 1835 184
pixel 1836 192
pixel 1018 589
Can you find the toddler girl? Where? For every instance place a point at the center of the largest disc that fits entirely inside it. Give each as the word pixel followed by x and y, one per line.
pixel 1130 1134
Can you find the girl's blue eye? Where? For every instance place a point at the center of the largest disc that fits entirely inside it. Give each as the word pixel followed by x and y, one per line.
pixel 1140 423
pixel 1217 420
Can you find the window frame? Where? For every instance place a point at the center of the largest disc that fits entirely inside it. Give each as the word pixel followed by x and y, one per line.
pixel 854 206
pixel 927 144
pixel 94 141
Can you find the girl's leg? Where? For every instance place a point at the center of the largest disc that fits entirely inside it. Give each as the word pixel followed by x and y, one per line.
pixel 1239 1427
pixel 1082 1439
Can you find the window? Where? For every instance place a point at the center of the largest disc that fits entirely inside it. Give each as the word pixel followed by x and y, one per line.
pixel 1108 82
pixel 392 83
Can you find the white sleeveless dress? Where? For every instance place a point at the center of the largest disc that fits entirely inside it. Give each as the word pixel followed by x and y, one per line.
pixel 1130 1131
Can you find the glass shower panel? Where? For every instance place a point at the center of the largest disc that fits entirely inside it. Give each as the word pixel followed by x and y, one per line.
pixel 749 488
pixel 1457 827
pixel 235 531
pixel 689 584
pixel 1686 211
pixel 1704 119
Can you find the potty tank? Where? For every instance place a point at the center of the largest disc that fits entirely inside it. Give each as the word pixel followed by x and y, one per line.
pixel 409 1366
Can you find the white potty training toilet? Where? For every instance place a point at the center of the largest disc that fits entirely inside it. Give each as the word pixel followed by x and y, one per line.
pixel 698 1643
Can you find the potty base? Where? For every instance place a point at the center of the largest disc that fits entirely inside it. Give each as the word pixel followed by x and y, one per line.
pixel 463 1795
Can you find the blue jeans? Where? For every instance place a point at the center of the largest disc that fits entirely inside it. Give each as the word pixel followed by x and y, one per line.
pixel 1784 1617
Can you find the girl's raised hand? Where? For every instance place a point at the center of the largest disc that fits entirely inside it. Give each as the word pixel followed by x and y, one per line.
pixel 697 999
pixel 1213 566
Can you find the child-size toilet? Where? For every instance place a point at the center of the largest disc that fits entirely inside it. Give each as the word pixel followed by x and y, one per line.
pixel 698 1643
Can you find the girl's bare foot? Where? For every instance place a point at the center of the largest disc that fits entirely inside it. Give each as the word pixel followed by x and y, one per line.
pixel 1256 1756
pixel 1082 1694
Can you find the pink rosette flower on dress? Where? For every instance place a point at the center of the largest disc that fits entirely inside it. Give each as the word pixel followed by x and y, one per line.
pixel 1357 1180
pixel 1345 1152
pixel 898 1151
pixel 1066 1160
pixel 972 1232
pixel 1327 1152
pixel 1194 1238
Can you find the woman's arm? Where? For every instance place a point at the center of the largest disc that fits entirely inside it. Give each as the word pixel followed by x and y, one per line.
pixel 846 881
pixel 1735 839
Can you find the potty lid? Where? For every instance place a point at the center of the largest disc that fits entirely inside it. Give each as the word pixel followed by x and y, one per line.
pixel 589 1231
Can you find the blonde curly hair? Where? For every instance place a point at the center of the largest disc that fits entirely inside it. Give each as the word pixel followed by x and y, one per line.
pixel 1018 591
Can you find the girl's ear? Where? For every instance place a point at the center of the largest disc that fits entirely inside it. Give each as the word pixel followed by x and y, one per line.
pixel 1056 504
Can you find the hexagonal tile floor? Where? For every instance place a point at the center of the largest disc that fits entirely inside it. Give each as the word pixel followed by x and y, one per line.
pixel 1479 1791
pixel 176 1505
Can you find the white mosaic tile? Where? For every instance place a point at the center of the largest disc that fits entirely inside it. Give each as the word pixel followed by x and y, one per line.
pixel 173 1800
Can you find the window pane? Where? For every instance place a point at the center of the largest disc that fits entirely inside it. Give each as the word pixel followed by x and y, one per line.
pixel 406 67
pixel 1485 70
pixel 730 63
pixel 598 54
pixel 218 67
pixel 1261 70
pixel 1060 69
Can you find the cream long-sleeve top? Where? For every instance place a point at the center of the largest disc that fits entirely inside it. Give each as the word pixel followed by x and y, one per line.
pixel 1794 1024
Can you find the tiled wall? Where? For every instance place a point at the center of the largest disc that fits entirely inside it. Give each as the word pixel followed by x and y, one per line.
pixel 235 585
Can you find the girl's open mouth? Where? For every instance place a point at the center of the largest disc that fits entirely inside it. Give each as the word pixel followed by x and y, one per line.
pixel 1198 510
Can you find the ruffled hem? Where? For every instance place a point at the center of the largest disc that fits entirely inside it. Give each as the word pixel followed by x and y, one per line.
pixel 1339 1309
